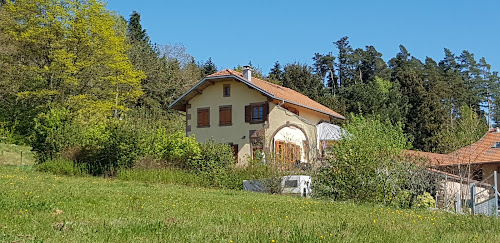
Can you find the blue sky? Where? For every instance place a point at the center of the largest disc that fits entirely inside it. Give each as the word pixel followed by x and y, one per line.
pixel 236 32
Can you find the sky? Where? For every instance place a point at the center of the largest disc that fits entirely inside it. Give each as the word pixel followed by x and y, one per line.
pixel 235 32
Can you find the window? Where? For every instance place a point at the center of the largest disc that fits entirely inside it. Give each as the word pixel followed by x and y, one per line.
pixel 225 116
pixel 226 90
pixel 204 117
pixel 256 113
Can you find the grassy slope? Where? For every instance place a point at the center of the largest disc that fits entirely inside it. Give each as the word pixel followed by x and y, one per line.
pixel 97 209
pixel 10 154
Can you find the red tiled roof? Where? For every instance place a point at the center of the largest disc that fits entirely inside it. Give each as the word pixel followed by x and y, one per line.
pixel 283 93
pixel 480 152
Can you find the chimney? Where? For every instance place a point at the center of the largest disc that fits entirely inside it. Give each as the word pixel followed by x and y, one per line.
pixel 247 73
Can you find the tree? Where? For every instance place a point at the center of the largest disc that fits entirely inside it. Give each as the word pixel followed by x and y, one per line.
pixel 407 71
pixel 324 66
pixel 471 75
pixel 368 64
pixel 467 129
pixel 72 54
pixel 208 67
pixel 276 73
pixel 166 68
pixel 343 66
pixel 300 77
pixel 135 32
pixel 379 98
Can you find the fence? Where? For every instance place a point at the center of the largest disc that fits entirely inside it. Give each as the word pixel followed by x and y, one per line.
pixel 485 205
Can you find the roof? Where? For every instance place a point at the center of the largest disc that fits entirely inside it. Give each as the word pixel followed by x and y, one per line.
pixel 269 89
pixel 330 132
pixel 480 152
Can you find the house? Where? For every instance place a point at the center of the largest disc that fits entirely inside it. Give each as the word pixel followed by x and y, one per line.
pixel 477 161
pixel 254 116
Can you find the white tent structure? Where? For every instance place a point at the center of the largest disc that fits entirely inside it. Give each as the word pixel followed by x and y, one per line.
pixel 329 132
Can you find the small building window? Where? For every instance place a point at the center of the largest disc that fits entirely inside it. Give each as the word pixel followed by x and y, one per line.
pixel 225 115
pixel 256 113
pixel 226 88
pixel 204 117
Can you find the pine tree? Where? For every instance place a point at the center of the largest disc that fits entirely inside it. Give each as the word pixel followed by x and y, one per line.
pixel 324 66
pixel 208 67
pixel 344 61
pixel 300 77
pixel 407 71
pixel 276 73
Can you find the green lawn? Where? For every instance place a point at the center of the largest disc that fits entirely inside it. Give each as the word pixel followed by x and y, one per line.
pixel 45 207
pixel 11 154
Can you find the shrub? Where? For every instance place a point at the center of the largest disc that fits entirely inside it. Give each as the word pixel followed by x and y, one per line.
pixel 46 140
pixel 213 162
pixel 61 166
pixel 179 150
pixel 117 150
pixel 425 201
pixel 367 165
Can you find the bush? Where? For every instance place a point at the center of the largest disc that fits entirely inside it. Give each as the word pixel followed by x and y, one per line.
pixel 179 150
pixel 46 140
pixel 367 165
pixel 425 201
pixel 118 150
pixel 61 166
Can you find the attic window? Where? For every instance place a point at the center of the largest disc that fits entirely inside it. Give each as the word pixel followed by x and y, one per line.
pixel 496 145
pixel 226 88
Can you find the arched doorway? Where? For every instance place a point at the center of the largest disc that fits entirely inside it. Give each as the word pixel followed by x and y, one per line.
pixel 290 144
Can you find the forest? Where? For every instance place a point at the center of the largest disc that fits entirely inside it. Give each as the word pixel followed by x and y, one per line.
pixel 78 63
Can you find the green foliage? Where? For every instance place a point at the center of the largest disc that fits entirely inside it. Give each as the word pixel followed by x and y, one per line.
pixel 69 54
pixel 425 201
pixel 47 133
pixel 465 130
pixel 213 157
pixel 378 98
pixel 300 77
pixel 208 68
pixel 61 166
pixel 178 149
pixel 367 165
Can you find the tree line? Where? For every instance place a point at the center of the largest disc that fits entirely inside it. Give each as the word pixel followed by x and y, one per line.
pixel 432 100
pixel 94 64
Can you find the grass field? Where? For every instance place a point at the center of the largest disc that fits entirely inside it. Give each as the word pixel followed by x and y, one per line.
pixel 37 206
pixel 11 154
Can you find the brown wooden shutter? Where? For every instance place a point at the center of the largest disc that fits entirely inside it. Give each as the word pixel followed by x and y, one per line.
pixel 248 113
pixel 207 117
pixel 200 118
pixel 203 117
pixel 265 111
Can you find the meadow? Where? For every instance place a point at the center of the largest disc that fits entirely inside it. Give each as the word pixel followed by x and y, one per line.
pixel 37 206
